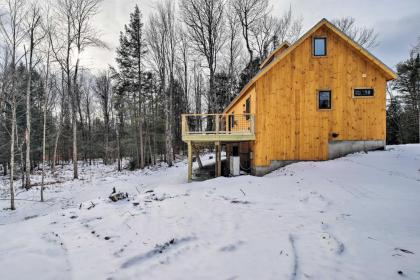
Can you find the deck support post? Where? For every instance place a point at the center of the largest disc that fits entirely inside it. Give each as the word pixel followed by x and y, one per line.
pixel 189 161
pixel 218 159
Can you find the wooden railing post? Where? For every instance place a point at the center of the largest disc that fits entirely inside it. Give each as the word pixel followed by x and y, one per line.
pixel 190 163
pixel 218 166
pixel 184 124
pixel 252 124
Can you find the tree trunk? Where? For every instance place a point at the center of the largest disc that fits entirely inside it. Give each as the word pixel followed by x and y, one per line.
pixel 28 124
pixel 33 26
pixel 75 171
pixel 90 131
pixel 136 132
pixel 106 159
pixel 55 149
pixel 12 154
pixel 168 124
pixel 211 101
pixel 154 133
pixel 44 128
pixel 74 121
pixel 20 150
pixel 141 148
pixel 118 148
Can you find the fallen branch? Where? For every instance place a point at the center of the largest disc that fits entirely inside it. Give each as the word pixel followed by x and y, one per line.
pixel 91 206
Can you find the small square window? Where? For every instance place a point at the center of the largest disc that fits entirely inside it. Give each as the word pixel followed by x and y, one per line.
pixel 320 46
pixel 363 92
pixel 324 99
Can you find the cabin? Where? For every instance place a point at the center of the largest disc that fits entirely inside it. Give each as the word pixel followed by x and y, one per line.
pixel 320 98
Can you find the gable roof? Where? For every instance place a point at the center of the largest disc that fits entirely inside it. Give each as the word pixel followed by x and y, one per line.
pixel 388 72
pixel 282 46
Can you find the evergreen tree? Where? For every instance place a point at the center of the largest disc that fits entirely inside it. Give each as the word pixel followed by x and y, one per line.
pixel 221 91
pixel 130 55
pixel 408 86
pixel 248 73
pixel 393 122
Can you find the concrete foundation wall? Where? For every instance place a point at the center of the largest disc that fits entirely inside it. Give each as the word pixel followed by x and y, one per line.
pixel 336 149
pixel 275 164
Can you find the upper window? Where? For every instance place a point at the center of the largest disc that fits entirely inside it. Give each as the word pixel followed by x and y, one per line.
pixel 324 99
pixel 232 120
pixel 320 46
pixel 363 92
pixel 248 107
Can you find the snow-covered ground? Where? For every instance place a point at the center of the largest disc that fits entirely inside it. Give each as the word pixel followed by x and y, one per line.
pixel 356 217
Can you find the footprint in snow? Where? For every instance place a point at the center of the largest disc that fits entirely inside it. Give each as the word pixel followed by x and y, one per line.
pixel 157 251
pixel 231 247
pixel 332 243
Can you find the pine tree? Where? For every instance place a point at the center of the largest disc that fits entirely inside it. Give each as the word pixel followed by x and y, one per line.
pixel 393 122
pixel 221 91
pixel 130 56
pixel 408 85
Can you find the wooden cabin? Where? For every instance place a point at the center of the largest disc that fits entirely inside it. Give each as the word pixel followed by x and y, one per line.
pixel 321 98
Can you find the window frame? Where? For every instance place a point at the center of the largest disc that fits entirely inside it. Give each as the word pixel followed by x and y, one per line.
pixel 313 46
pixel 365 96
pixel 247 108
pixel 231 120
pixel 318 96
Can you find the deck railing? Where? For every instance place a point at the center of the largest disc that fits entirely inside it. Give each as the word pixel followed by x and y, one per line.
pixel 213 125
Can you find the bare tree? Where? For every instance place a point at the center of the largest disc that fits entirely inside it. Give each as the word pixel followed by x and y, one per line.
pixel 288 28
pixel 103 91
pixel 250 12
pixel 167 14
pixel 162 38
pixel 183 62
pixel 366 37
pixel 88 102
pixel 12 31
pixel 48 103
pixel 205 24
pixel 61 39
pixel 234 48
pixel 34 37
pixel 156 38
pixel 263 33
pixel 270 31
pixel 73 34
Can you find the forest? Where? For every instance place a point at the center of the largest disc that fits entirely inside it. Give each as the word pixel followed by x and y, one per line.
pixel 186 56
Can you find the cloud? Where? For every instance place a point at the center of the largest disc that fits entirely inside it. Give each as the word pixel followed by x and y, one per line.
pixel 397 22
pixel 110 22
pixel 397 37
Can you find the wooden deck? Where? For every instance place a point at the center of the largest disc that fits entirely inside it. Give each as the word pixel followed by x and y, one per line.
pixel 216 128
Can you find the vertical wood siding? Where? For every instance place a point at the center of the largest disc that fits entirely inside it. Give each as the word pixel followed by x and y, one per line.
pixel 289 125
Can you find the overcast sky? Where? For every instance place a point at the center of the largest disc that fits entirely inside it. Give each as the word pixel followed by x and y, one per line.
pixel 396 21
